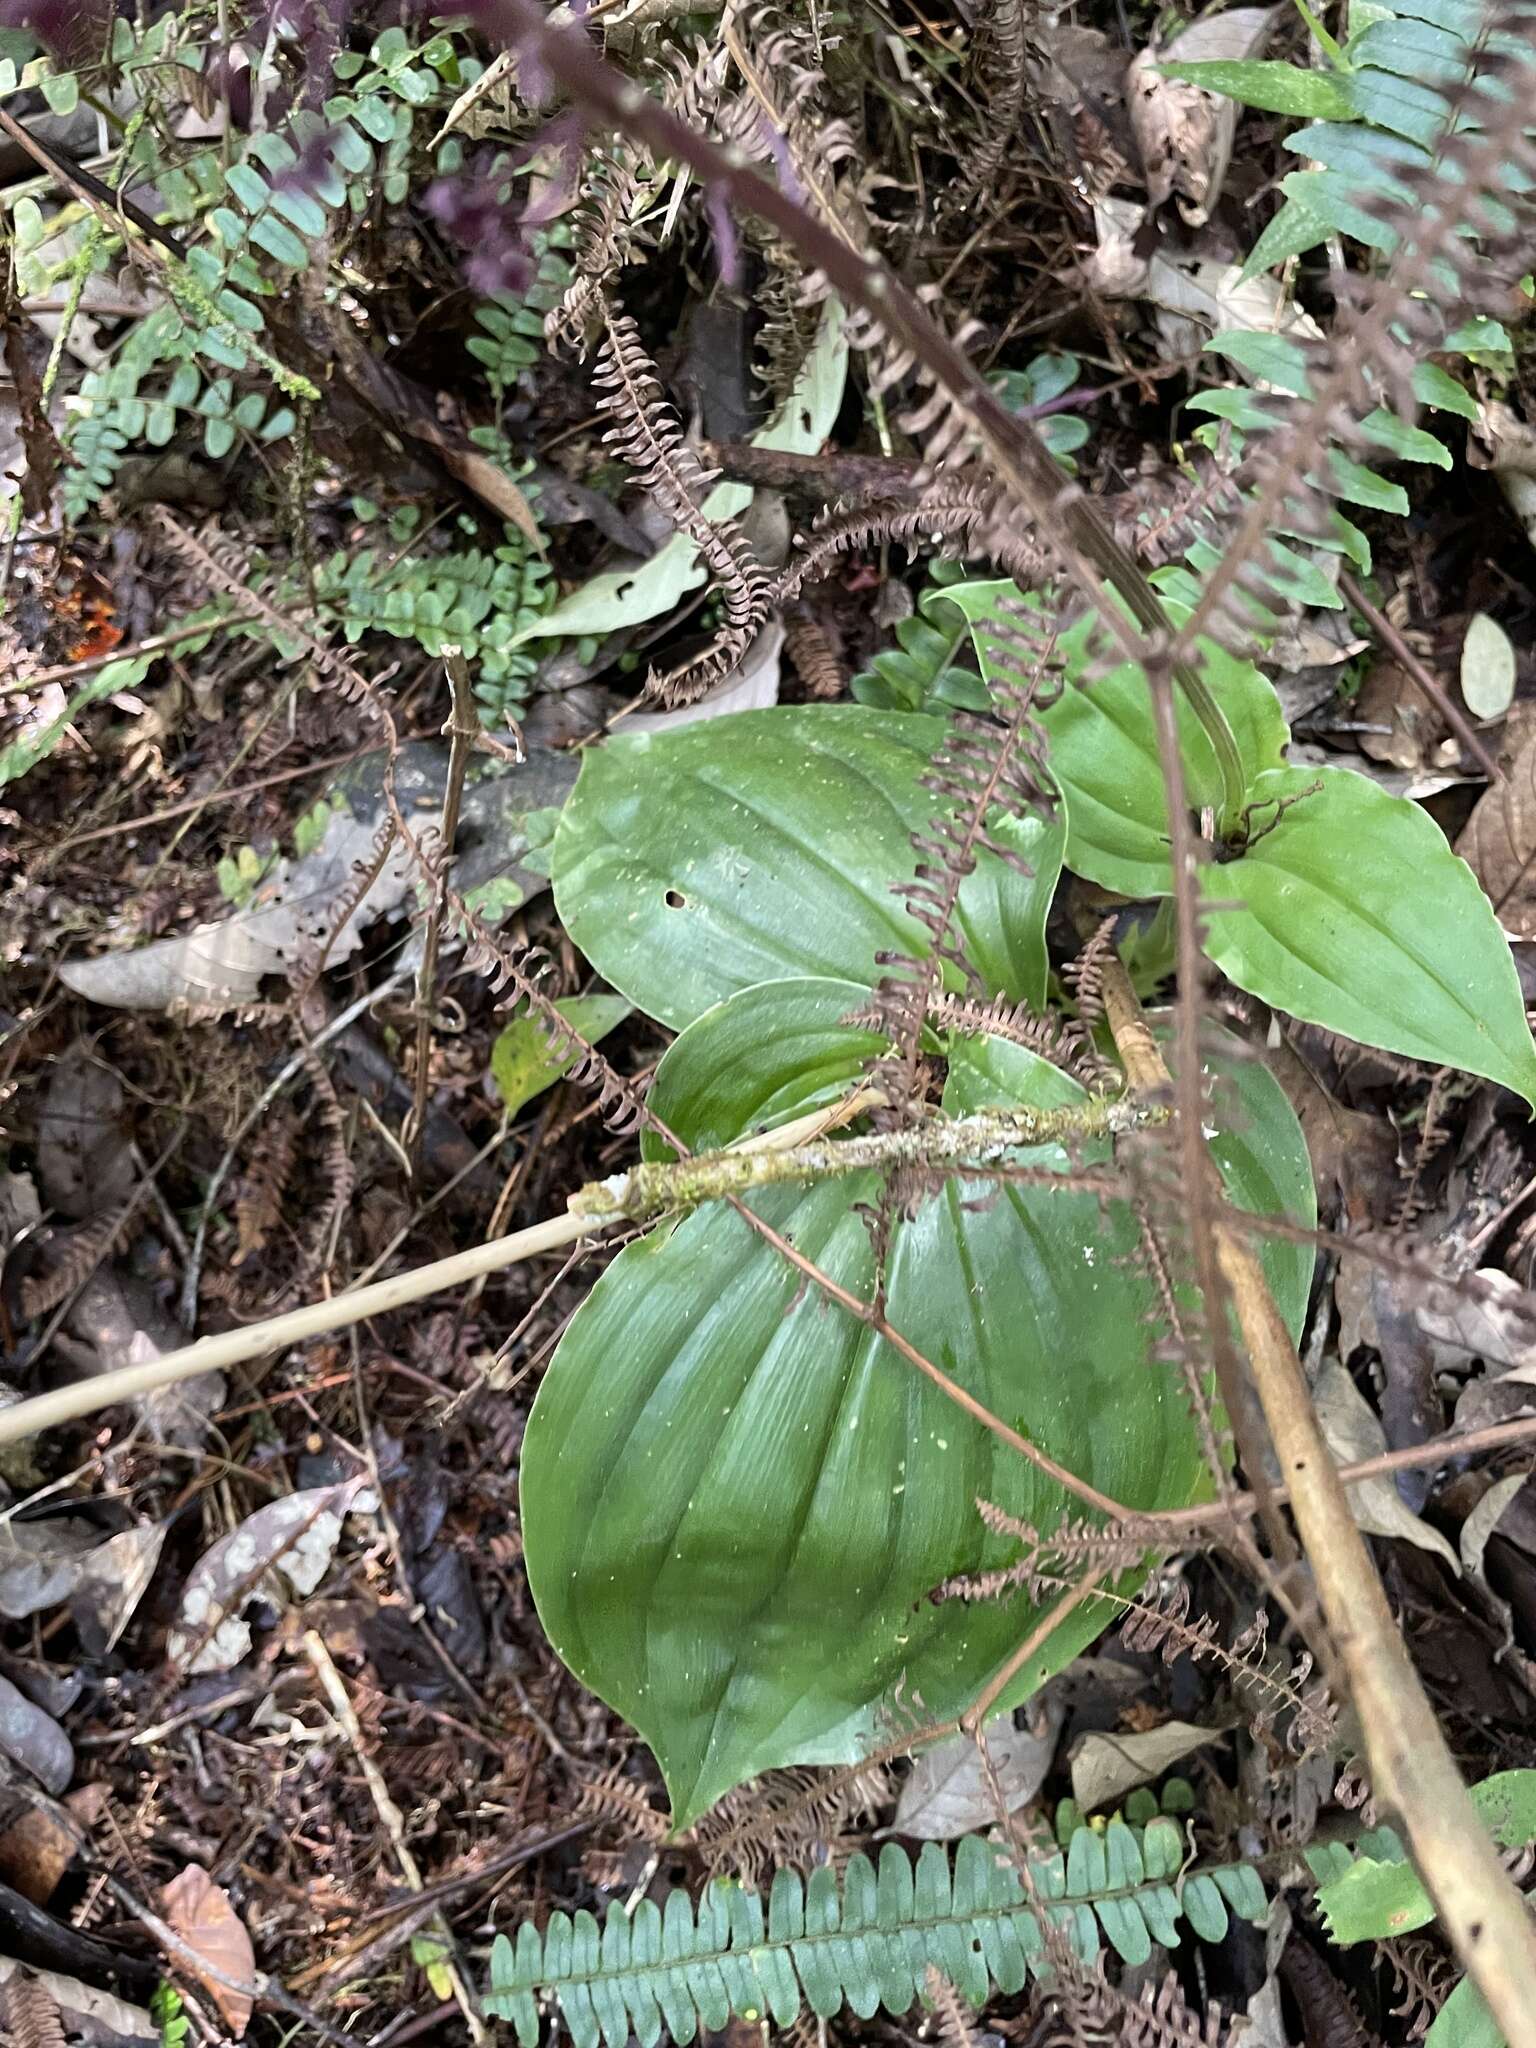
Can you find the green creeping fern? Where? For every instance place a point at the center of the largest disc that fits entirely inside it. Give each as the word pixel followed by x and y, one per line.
pixel 867 1941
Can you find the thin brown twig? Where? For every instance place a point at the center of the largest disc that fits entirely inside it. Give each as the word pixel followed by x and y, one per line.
pixel 1432 690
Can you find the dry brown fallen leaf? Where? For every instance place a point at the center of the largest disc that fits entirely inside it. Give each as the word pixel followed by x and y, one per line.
pixel 200 1912
pixel 1183 132
pixel 1498 841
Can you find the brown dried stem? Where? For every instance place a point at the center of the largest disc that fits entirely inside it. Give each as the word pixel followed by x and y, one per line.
pixel 1411 1765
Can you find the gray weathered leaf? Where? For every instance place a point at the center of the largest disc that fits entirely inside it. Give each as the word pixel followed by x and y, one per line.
pixel 295 1537
pixel 1353 1434
pixel 1183 132
pixel 1484 1519
pixel 1487 668
pixel 948 1793
pixel 34 1739
pixel 1107 1765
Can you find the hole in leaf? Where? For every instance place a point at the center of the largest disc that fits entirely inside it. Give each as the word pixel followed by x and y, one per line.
pixel 675 899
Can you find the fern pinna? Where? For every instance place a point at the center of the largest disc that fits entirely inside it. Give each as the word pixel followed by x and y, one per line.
pixel 867 1941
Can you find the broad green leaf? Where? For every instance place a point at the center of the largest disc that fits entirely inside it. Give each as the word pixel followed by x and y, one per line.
pixel 736 1499
pixel 1464 2021
pixel 1277 88
pixel 1378 1893
pixel 1104 751
pixel 1258 1145
pixel 691 863
pixel 521 1063
pixel 1353 913
pixel 762 1057
pixel 1299 225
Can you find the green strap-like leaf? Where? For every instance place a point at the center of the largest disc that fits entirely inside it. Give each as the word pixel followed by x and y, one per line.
pixel 867 1944
pixel 692 863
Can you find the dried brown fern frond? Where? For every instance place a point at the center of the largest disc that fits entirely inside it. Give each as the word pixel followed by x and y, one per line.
pixel 73 1256
pixel 1047 1555
pixel 647 434
pixel 815 648
pixel 259 1198
pixel 1061 1040
pixel 1083 2009
pixel 788 1816
pixel 983 767
pixel 603 236
pixel 961 516
pixel 32 2015
pixel 607 225
pixel 954 2017
pixel 1000 76
pixel 612 1796
pixel 524 970
pixel 1422 1977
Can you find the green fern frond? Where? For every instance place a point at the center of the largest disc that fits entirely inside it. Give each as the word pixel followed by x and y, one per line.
pixel 866 1942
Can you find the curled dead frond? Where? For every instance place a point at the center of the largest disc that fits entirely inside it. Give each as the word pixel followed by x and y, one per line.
pixel 815 648
pixel 647 434
pixel 999 74
pixel 1047 1556
pixel 955 2029
pixel 788 1816
pixel 32 2015
pixel 260 1196
pixel 73 1256
pixel 365 872
pixel 612 1796
pixel 523 970
pixel 1061 1040
pixel 952 516
pixel 1085 975
pixel 603 234
pixel 1422 1977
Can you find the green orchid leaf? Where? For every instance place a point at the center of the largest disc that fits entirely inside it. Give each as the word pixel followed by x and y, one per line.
pixel 764 1056
pixel 736 1498
pixel 692 863
pixel 1104 748
pixel 1354 913
pixel 521 1063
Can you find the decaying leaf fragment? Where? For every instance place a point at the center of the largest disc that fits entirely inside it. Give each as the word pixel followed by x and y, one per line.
pixel 200 1912
pixel 1498 841
pixel 1183 132
pixel 295 1537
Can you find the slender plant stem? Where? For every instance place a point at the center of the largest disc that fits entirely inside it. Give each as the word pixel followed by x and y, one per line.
pixel 795 1151
pixel 1411 1766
